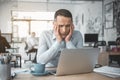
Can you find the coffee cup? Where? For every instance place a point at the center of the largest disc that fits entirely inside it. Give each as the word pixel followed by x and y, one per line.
pixel 37 68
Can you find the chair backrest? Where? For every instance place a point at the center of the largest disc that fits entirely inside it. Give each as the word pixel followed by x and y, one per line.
pixel 110 43
pixel 100 43
pixel 118 41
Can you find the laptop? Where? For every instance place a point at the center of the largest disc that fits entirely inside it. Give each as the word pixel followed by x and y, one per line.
pixel 74 61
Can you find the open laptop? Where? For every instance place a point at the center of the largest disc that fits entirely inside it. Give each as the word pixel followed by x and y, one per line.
pixel 74 61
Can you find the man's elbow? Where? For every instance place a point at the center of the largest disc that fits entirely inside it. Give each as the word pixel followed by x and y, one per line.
pixel 41 60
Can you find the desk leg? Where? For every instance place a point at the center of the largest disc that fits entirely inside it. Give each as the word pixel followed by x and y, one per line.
pixel 20 62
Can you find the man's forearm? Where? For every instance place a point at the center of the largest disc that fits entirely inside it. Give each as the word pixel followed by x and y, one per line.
pixel 70 45
pixel 44 56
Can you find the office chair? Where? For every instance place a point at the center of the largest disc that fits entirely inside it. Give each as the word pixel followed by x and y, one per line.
pixel 29 52
pixel 99 43
pixel 112 43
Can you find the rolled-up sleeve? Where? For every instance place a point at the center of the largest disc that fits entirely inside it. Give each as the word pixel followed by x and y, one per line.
pixel 44 53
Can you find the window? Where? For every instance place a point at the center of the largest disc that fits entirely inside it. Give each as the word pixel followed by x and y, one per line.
pixel 26 22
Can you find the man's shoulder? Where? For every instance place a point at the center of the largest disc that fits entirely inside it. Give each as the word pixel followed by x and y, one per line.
pixel 76 32
pixel 2 37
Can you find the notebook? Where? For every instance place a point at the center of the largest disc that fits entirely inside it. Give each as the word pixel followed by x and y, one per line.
pixel 109 71
pixel 74 61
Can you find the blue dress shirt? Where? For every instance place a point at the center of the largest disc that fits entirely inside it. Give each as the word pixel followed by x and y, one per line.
pixel 49 48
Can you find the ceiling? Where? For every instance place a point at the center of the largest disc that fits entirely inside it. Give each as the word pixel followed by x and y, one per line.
pixel 59 1
pixel 50 1
pixel 56 0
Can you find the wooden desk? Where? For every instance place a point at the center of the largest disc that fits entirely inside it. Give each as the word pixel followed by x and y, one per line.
pixel 114 56
pixel 89 76
pixel 14 50
pixel 114 53
pixel 104 57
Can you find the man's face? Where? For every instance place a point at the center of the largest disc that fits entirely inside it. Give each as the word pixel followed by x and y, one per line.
pixel 33 34
pixel 64 24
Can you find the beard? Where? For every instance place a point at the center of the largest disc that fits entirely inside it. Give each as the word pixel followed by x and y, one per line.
pixel 64 35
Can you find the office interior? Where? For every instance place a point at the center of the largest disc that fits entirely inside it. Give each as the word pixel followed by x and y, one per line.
pixel 18 18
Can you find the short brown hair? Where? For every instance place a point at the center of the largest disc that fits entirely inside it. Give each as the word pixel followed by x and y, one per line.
pixel 63 12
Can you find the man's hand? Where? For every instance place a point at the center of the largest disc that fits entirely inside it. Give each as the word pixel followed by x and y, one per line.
pixel 68 37
pixel 57 33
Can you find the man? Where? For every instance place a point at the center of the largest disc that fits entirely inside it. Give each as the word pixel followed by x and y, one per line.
pixel 31 42
pixel 3 44
pixel 62 36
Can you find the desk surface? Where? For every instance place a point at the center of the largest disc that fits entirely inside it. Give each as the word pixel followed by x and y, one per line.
pixel 114 53
pixel 89 76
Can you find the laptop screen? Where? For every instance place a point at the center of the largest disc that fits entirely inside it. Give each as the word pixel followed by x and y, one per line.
pixel 73 61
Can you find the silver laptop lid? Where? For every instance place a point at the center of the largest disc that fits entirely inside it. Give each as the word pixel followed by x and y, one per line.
pixel 73 61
